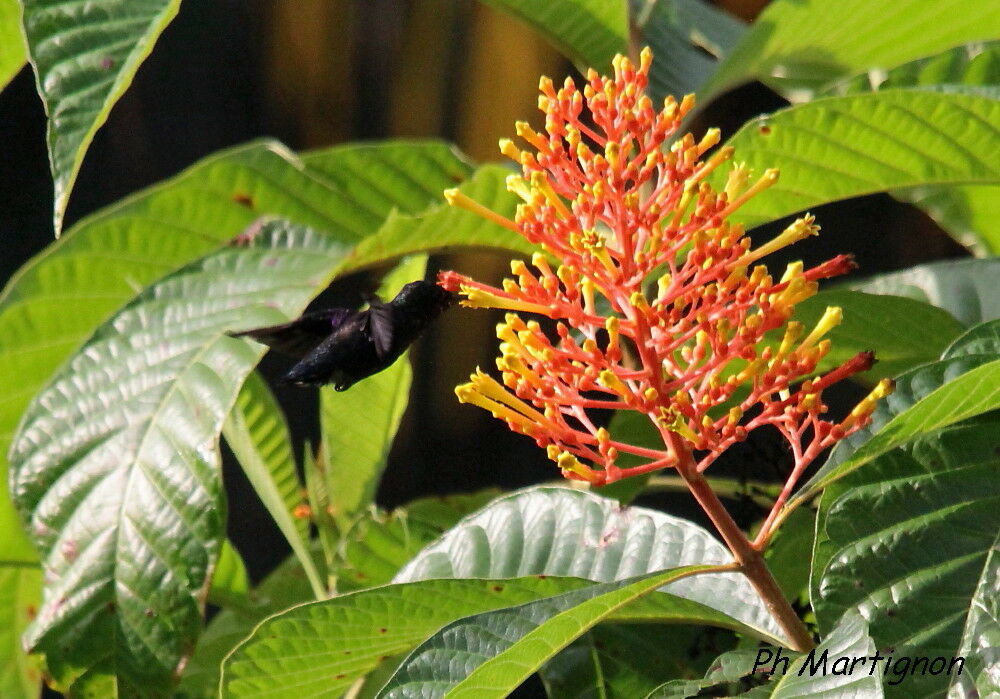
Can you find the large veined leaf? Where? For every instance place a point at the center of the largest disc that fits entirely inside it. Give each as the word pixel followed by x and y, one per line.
pixel 358 426
pixel 115 466
pixel 840 147
pixel 970 214
pixel 590 32
pixel 322 648
pixel 60 297
pixel 85 56
pixel 688 38
pixel 558 531
pixel 798 45
pixel 491 653
pixel 12 50
pixel 964 288
pixel 912 546
pixel 20 588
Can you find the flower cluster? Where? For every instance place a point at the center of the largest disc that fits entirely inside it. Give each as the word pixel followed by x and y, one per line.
pixel 661 304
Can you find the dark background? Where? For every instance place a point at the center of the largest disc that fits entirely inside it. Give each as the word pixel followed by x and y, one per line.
pixel 316 73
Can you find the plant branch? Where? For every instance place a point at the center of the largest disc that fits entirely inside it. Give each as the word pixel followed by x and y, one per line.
pixel 750 559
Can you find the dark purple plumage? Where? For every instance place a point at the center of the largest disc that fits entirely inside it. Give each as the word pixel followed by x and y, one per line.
pixel 340 346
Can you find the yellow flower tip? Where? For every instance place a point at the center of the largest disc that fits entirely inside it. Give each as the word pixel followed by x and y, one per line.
pixel 510 150
pixel 602 435
pixel 687 103
pixel 651 394
pixel 735 415
pixel 638 301
pixel 451 195
pixel 645 59
pixel 884 388
pixel 792 270
pixel 545 84
pixel 832 317
pixel 711 138
pixel 465 392
pixel 518 267
pixel 611 381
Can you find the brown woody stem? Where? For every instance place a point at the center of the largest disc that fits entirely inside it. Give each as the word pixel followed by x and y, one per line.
pixel 750 559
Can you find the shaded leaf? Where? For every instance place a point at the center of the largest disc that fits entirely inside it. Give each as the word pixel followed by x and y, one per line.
pixel 558 531
pixel 590 32
pixel 903 332
pixel 688 38
pixel 982 339
pixel 115 466
pixel 964 288
pixel 85 56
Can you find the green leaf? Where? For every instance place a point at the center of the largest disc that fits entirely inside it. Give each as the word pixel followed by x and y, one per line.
pixel 912 547
pixel 729 667
pixel 284 587
pixel 973 393
pixel 326 646
pixel 840 147
pixel 230 584
pixel 688 39
pixel 964 288
pixel 358 426
pixel 12 50
pixel 20 592
pixel 115 466
pixel 490 654
pixel 256 431
pixel 59 298
pixel 803 45
pixel 558 531
pixel 904 333
pixel 982 339
pixel 443 227
pixel 970 214
pixel 590 32
pixel 85 56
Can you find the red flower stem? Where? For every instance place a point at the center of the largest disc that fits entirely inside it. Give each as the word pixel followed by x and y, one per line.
pixel 750 559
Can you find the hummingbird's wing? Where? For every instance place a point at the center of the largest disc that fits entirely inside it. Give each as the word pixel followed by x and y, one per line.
pixel 299 337
pixel 380 323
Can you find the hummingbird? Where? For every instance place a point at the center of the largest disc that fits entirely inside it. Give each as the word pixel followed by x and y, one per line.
pixel 341 346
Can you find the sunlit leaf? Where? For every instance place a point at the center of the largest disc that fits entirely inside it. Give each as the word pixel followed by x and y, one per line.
pixel 12 50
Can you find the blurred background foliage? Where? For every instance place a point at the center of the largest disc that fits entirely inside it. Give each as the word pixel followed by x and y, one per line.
pixel 314 73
